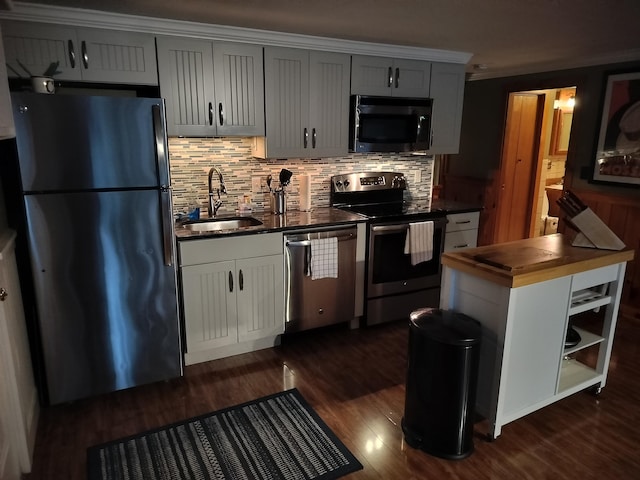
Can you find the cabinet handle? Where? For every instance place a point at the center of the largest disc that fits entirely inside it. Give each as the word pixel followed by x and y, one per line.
pixel 313 138
pixel 461 246
pixel 230 281
pixel 85 55
pixel 241 279
pixel 3 294
pixel 463 221
pixel 397 76
pixel 72 54
pixel 220 113
pixel 306 137
pixel 389 77
pixel 210 114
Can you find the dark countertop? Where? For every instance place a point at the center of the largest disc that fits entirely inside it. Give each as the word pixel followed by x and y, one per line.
pixel 318 217
pixel 292 220
pixel 450 206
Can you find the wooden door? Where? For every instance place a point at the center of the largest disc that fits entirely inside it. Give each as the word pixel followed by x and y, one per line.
pixel 518 167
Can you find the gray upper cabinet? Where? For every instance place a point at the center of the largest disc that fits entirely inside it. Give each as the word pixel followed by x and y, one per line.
pixel 84 54
pixel 389 77
pixel 447 91
pixel 307 104
pixel 211 88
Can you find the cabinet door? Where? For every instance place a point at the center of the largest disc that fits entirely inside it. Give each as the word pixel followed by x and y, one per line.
pixel 411 78
pixel 371 75
pixel 287 102
pixel 387 76
pixel 260 297
pixel 447 91
pixel 239 87
pixel 329 104
pixel 209 302
pixel 7 128
pixel 111 56
pixel 37 45
pixel 185 70
pixel 20 402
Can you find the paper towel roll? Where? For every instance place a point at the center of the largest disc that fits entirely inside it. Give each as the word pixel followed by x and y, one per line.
pixel 305 193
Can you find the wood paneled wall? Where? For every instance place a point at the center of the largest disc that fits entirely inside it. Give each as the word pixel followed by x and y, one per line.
pixel 474 191
pixel 621 213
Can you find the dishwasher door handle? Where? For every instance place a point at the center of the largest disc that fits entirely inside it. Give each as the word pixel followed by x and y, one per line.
pixel 306 243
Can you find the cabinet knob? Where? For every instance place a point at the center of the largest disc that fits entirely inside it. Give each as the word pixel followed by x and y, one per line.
pixel 3 294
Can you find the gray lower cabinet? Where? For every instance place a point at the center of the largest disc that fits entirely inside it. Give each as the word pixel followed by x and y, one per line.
pixel 306 104
pixel 232 295
pixel 211 88
pixel 447 92
pixel 461 231
pixel 19 407
pixel 84 54
pixel 389 77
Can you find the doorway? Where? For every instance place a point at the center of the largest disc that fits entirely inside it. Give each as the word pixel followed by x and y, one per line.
pixel 532 165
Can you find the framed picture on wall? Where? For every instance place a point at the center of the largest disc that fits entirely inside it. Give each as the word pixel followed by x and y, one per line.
pixel 617 158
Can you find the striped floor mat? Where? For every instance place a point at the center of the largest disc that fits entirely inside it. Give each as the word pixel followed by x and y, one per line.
pixel 274 437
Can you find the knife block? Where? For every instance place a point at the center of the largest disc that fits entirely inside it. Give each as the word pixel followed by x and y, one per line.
pixel 594 233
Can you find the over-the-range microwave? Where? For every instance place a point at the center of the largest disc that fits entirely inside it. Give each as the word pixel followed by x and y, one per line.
pixel 389 124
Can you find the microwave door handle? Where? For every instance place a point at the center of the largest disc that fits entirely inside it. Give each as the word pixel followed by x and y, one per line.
pixel 421 119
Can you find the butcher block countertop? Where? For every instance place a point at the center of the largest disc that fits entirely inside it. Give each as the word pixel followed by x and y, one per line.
pixel 533 260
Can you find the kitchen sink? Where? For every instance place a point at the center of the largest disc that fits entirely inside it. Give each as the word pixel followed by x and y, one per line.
pixel 225 223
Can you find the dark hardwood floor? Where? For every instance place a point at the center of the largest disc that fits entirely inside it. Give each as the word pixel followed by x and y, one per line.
pixel 355 381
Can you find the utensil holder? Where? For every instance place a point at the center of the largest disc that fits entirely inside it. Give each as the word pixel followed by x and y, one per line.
pixel 278 202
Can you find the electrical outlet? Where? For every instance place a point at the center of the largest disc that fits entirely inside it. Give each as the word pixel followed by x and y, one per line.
pixel 256 185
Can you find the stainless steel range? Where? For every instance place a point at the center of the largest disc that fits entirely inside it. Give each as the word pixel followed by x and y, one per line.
pixel 394 287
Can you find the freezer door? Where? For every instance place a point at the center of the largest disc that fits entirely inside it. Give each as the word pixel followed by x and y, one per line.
pixel 106 300
pixel 80 142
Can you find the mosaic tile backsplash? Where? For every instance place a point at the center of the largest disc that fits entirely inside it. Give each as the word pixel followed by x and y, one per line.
pixel 191 159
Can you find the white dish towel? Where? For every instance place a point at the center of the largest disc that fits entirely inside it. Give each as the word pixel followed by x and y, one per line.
pixel 419 242
pixel 324 258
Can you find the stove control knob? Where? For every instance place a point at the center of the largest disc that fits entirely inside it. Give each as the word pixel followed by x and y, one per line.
pixel 347 183
pixel 398 181
pixel 338 183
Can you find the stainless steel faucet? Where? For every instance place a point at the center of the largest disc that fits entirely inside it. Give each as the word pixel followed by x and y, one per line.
pixel 215 205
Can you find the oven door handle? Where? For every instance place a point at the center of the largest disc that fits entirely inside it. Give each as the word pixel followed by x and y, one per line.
pixel 437 223
pixel 390 228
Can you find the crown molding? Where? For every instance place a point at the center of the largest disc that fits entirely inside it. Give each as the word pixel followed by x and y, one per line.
pixel 559 65
pixel 33 12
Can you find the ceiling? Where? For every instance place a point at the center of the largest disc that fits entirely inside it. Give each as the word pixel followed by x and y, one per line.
pixel 506 37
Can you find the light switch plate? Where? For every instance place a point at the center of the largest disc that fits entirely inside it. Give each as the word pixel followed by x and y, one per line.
pixel 256 185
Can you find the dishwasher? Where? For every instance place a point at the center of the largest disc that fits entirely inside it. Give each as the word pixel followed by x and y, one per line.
pixel 316 302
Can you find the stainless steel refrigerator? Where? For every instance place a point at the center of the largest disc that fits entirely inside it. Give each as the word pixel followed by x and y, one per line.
pixel 95 184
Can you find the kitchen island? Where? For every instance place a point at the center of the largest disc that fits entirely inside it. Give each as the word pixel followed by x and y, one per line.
pixel 527 295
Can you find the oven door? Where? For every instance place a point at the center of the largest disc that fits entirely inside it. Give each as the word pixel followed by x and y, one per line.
pixel 390 269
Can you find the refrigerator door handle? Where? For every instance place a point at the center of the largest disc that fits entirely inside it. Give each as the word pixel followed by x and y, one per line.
pixel 165 189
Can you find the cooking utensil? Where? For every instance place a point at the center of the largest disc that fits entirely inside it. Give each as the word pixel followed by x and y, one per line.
pixel 269 178
pixel 285 177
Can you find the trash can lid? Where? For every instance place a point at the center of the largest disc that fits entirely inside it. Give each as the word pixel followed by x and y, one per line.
pixel 446 326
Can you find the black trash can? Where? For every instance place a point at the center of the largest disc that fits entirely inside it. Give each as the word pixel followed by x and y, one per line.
pixel 442 376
